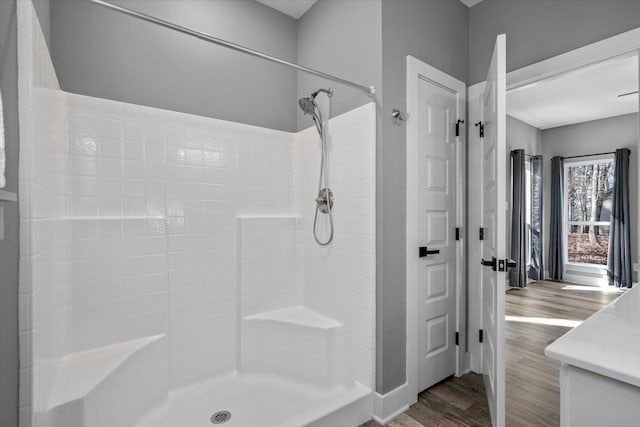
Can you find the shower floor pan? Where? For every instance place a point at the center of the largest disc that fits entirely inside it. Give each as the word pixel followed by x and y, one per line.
pixel 256 400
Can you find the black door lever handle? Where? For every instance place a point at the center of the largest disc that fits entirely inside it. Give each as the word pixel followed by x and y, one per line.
pixel 423 252
pixel 492 263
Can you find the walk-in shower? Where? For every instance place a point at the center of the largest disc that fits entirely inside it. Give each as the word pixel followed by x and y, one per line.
pixel 324 200
pixel 171 278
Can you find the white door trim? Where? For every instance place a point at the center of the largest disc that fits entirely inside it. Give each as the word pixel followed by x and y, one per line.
pixel 474 222
pixel 602 50
pixel 573 60
pixel 416 68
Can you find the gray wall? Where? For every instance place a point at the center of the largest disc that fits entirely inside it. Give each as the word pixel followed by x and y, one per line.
pixel 435 32
pixel 43 11
pixel 523 135
pixel 102 53
pixel 540 29
pixel 588 138
pixel 9 247
pixel 342 38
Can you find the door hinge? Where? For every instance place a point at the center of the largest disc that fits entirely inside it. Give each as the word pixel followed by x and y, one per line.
pixel 457 233
pixel 480 335
pixel 480 127
pixel 457 338
pixel 481 233
pixel 458 123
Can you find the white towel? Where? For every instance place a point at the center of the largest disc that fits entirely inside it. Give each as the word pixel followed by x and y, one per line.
pixel 3 181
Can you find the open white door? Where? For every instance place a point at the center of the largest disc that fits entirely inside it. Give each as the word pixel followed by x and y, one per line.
pixel 494 247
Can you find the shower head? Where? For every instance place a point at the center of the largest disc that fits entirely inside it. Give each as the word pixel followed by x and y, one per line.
pixel 307 105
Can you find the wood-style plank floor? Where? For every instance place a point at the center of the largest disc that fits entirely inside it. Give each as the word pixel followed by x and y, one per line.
pixel 536 316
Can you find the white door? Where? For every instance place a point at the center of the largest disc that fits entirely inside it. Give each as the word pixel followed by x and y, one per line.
pixel 439 108
pixel 494 248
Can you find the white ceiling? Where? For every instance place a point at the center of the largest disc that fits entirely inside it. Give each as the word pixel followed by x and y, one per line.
pixel 470 3
pixel 295 8
pixel 582 95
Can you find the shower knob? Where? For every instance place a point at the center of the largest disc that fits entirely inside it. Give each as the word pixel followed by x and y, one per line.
pixel 324 203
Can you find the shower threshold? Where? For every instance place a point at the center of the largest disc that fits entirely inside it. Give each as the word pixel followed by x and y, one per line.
pixel 262 400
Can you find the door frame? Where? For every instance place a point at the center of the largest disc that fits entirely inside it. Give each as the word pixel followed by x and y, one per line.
pixel 415 69
pixel 599 51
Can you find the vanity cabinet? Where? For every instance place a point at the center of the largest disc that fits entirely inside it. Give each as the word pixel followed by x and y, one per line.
pixel 600 367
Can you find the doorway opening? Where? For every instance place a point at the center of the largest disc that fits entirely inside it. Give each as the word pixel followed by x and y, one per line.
pixel 581 116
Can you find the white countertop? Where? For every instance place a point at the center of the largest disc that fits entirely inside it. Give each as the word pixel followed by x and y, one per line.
pixel 607 343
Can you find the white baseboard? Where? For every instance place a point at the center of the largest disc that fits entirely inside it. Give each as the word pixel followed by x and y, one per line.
pixel 580 279
pixel 388 406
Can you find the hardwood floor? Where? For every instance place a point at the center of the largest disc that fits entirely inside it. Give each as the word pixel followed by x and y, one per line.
pixel 536 316
pixel 452 403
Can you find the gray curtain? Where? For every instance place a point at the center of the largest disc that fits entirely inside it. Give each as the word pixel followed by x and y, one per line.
pixel 619 261
pixel 556 213
pixel 536 269
pixel 517 275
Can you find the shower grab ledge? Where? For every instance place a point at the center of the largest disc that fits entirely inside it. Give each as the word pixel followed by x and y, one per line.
pixel 297 315
pixel 108 217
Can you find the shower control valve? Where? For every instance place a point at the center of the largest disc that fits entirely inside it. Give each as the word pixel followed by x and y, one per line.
pixel 324 201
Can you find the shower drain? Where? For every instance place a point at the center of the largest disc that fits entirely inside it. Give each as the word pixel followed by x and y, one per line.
pixel 220 417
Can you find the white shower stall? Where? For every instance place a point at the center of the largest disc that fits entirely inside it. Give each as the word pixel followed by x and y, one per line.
pixel 169 275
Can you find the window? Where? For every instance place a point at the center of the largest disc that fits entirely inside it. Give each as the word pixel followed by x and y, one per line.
pixel 588 197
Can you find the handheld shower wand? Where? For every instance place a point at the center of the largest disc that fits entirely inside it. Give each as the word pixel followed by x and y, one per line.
pixel 324 201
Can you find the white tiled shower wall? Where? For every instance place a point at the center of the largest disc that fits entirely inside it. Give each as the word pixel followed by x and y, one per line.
pixel 45 252
pixel 129 226
pixel 269 270
pixel 166 189
pixel 339 279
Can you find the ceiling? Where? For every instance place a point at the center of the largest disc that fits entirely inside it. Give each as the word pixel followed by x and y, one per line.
pixel 294 8
pixel 586 94
pixel 470 3
pixel 297 8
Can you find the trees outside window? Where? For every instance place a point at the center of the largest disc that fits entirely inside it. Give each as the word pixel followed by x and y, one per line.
pixel 588 196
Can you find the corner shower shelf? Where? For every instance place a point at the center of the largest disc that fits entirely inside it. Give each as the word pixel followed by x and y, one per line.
pixel 297 343
pixel 80 372
pixel 297 315
pixel 8 196
pixel 92 383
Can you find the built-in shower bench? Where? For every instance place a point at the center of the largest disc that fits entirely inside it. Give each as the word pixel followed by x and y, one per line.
pixel 109 385
pixel 280 335
pixel 297 316
pixel 295 342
